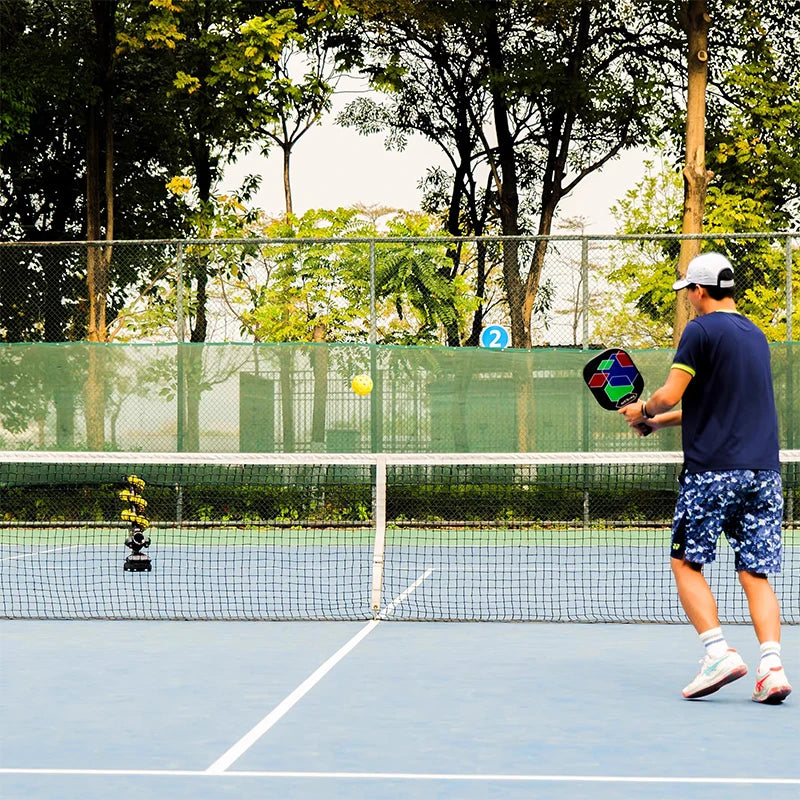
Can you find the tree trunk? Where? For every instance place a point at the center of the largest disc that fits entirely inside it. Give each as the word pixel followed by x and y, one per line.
pixel 506 182
pixel 286 362
pixel 94 397
pixel 193 355
pixel 319 365
pixel 193 377
pixel 560 137
pixel 65 418
pixel 454 250
pixel 287 184
pixel 480 287
pixel 99 198
pixel 203 172
pixel 695 20
pixel 99 170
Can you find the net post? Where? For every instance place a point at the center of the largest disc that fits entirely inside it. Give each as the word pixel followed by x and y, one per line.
pixel 380 533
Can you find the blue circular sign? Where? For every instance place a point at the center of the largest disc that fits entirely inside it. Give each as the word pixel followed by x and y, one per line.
pixel 495 337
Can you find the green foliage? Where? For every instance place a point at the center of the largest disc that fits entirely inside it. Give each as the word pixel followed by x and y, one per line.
pixel 43 94
pixel 753 125
pixel 310 285
pixel 249 58
pixel 493 502
pixel 416 275
pixel 195 83
pixel 752 135
pixel 641 303
pixel 281 285
pixel 525 100
pixel 321 289
pixel 16 108
pixel 754 150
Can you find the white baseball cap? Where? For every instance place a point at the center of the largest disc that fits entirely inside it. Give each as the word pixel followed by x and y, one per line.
pixel 706 270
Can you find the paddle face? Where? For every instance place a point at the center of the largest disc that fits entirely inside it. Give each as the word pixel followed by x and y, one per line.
pixel 614 381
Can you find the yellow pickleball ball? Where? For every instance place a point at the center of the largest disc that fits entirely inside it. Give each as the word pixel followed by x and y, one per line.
pixel 362 384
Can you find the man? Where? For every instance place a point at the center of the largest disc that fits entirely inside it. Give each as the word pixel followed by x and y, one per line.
pixel 731 473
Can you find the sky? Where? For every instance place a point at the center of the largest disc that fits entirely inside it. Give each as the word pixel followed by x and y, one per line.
pixel 336 167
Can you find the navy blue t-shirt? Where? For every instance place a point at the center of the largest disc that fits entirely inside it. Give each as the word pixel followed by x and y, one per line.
pixel 729 417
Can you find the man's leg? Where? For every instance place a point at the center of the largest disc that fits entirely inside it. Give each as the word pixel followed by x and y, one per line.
pixel 763 605
pixel 697 525
pixel 695 594
pixel 772 685
pixel 721 664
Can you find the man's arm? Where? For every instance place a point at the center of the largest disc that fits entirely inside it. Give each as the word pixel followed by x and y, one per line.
pixel 661 402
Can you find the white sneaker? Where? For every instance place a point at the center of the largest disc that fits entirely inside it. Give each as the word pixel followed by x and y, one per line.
pixel 715 673
pixel 772 688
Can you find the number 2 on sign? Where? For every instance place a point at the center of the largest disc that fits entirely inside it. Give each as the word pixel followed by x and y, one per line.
pixel 494 337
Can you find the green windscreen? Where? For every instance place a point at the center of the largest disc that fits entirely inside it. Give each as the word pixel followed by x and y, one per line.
pixel 297 398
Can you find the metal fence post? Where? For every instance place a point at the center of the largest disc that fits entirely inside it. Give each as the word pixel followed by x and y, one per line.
pixel 180 393
pixel 373 322
pixel 585 281
pixel 376 398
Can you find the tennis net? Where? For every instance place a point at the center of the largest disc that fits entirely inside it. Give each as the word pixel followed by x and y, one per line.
pixel 530 536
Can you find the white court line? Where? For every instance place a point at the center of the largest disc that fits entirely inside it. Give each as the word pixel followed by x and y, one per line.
pixel 252 736
pixel 409 776
pixel 390 609
pixel 39 552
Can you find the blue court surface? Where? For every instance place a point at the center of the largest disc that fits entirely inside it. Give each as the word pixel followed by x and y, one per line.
pixel 96 709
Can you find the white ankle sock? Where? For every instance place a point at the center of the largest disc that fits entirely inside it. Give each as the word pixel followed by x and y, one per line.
pixel 714 642
pixel 770 656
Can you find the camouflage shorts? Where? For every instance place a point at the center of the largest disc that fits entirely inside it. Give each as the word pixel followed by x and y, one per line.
pixel 745 505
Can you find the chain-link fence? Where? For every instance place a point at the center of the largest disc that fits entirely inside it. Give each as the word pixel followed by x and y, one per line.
pixel 150 388
pixel 583 289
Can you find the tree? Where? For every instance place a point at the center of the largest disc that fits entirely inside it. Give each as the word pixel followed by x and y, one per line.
pixel 464 206
pixel 742 108
pixel 566 86
pixel 641 303
pixel 298 290
pixel 41 154
pixel 319 291
pixel 291 107
pixel 49 59
pixel 642 272
pixel 573 294
pixel 113 49
pixel 752 129
pixel 753 125
pixel 695 21
pixel 220 55
pixel 100 166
